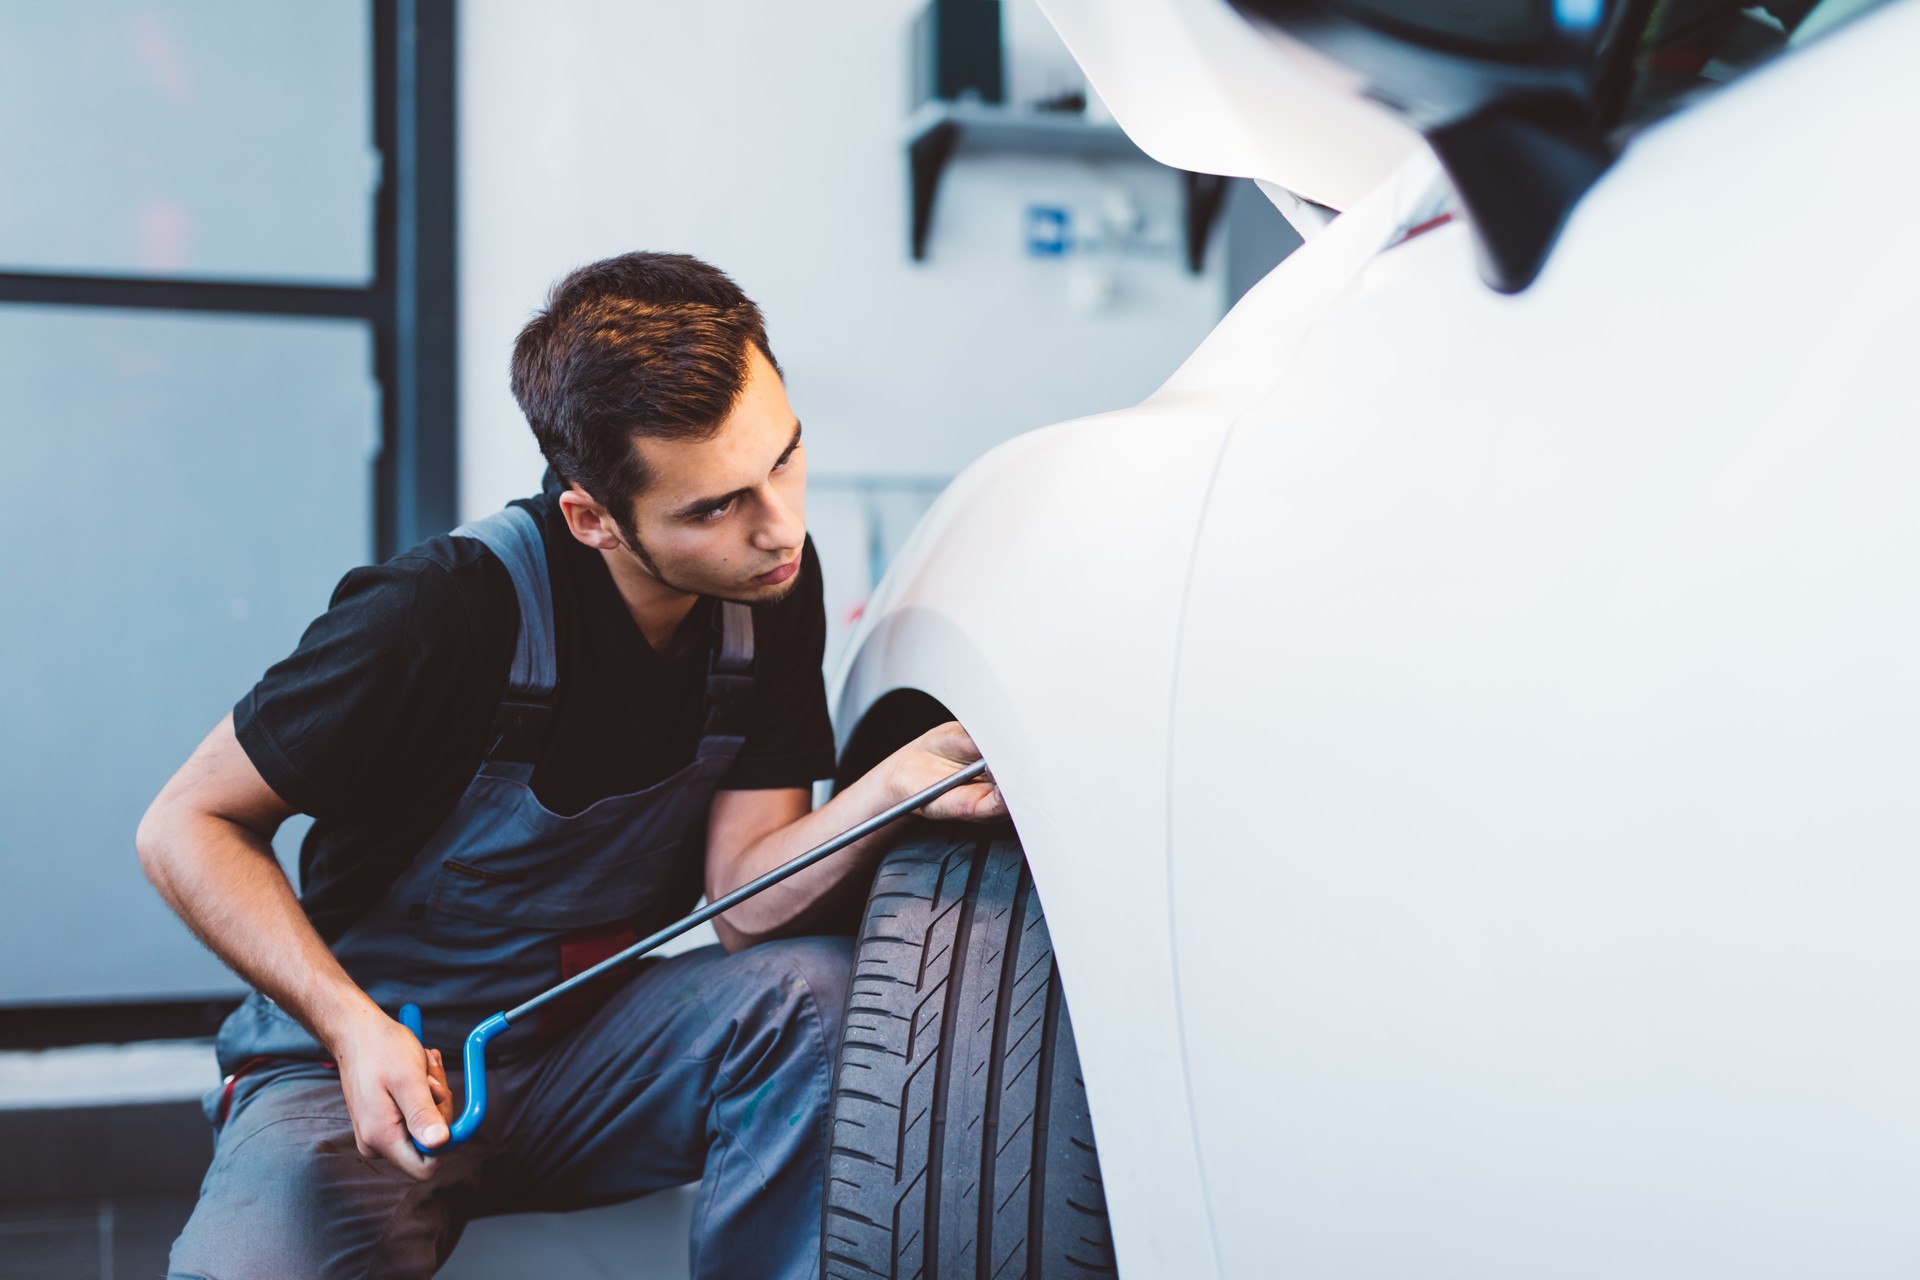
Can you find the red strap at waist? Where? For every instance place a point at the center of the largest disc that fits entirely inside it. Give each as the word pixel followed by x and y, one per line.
pixel 578 955
pixel 247 1068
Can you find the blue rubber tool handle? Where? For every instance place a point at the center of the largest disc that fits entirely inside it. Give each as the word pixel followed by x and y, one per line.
pixel 474 1062
pixel 474 1058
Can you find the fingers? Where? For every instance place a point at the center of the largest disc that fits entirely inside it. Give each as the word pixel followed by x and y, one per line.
pixel 394 1143
pixel 942 749
pixel 400 1115
pixel 989 804
pixel 380 1134
pixel 406 1109
pixel 397 1151
pixel 975 802
pixel 437 1085
pixel 400 1154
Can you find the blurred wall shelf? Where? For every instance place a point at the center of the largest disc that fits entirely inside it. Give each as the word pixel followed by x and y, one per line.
pixel 938 131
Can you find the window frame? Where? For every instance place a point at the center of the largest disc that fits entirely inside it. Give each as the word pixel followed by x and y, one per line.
pixel 410 303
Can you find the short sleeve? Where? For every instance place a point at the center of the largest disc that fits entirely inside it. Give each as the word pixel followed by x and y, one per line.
pixel 385 686
pixel 790 735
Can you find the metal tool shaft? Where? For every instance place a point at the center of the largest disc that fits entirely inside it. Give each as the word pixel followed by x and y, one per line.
pixel 474 1055
pixel 723 904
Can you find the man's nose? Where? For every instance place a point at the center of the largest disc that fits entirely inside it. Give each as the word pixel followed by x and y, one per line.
pixel 784 525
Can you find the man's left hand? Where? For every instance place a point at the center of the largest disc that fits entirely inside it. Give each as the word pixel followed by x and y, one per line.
pixel 939 753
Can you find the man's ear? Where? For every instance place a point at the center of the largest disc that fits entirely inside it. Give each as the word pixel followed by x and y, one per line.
pixel 588 520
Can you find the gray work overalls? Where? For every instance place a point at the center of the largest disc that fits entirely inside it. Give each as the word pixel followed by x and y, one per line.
pixel 507 898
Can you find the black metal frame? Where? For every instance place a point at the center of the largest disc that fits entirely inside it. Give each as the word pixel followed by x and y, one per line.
pixel 416 268
pixel 410 303
pixel 45 1026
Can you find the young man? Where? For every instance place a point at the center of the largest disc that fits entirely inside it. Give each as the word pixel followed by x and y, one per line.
pixel 525 744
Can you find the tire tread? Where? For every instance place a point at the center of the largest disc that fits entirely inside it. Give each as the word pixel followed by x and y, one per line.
pixel 962 1144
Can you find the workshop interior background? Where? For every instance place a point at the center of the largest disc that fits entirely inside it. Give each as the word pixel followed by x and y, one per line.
pixel 261 262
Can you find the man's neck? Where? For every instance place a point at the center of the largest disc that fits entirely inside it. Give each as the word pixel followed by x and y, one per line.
pixel 656 608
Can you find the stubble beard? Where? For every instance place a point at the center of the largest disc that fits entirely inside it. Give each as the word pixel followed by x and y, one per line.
pixel 764 595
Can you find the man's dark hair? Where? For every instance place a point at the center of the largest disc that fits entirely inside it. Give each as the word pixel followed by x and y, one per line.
pixel 645 344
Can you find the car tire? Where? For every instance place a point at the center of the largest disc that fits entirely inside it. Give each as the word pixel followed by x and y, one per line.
pixel 961 1141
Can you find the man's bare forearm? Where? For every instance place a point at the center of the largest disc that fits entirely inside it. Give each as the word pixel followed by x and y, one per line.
pixel 786 905
pixel 222 879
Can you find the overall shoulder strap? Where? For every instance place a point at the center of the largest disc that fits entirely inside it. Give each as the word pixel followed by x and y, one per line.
pixel 730 676
pixel 520 725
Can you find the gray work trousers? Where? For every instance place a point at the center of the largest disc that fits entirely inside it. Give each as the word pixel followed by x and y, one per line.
pixel 702 1065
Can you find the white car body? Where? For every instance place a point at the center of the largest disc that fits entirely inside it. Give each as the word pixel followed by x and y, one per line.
pixel 1467 744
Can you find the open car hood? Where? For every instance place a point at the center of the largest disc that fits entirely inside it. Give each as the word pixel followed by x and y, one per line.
pixel 1198 88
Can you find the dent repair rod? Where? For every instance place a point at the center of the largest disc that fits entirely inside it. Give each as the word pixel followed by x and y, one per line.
pixel 474 1055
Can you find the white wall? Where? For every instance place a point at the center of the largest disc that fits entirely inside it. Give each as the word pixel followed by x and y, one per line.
pixel 766 137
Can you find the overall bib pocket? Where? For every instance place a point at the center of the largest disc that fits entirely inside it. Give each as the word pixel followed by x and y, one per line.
pixel 598 891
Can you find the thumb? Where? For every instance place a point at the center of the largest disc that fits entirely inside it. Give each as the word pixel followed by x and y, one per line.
pixel 423 1117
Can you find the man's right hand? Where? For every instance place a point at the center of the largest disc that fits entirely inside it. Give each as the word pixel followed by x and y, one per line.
pixel 394 1088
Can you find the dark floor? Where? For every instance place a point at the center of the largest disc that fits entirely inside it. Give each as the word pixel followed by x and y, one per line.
pixel 128 1236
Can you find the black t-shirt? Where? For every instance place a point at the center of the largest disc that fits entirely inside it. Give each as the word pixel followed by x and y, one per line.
pixel 377 721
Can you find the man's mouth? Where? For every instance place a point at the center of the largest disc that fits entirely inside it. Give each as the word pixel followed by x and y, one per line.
pixel 774 577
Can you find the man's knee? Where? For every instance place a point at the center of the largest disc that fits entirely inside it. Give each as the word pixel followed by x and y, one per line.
pixel 289 1194
pixel 814 972
pixel 789 993
pixel 260 1206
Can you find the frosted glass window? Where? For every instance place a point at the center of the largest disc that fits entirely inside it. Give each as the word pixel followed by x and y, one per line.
pixel 178 496
pixel 193 138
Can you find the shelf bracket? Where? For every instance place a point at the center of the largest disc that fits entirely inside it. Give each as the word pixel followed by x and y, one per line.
pixel 928 156
pixel 938 130
pixel 1206 195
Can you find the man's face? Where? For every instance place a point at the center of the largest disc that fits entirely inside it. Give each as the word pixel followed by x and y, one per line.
pixel 726 516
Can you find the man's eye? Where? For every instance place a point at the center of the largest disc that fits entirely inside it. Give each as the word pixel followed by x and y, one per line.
pixel 785 458
pixel 714 513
